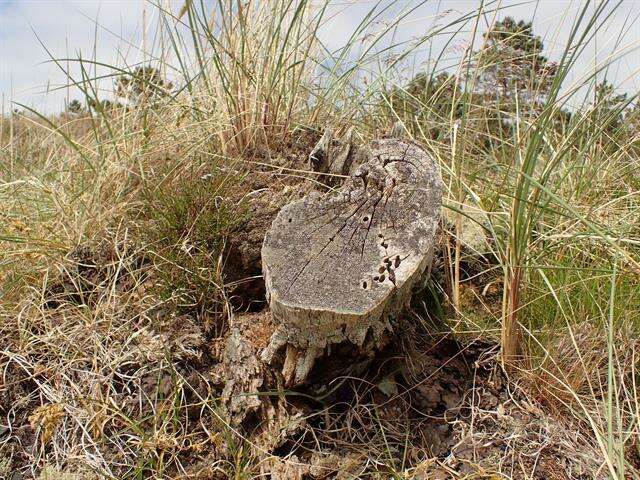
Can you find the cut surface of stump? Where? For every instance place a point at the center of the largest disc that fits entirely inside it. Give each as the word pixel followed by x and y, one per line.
pixel 338 266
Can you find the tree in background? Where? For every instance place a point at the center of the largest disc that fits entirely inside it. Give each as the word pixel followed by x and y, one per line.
pixel 144 84
pixel 75 107
pixel 610 107
pixel 512 72
pixel 428 103
pixel 513 76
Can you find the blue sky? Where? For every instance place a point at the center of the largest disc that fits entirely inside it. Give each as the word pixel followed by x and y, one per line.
pixel 112 31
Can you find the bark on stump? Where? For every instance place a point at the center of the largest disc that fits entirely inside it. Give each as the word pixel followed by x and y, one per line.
pixel 339 266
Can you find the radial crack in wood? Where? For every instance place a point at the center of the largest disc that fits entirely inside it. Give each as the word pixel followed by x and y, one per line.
pixel 339 266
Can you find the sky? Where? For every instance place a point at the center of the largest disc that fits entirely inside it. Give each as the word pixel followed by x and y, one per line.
pixel 112 32
pixel 68 28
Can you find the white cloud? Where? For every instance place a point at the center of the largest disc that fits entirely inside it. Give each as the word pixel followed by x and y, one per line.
pixel 618 37
pixel 110 30
pixel 67 27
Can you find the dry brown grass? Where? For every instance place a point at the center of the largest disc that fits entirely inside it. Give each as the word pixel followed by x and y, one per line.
pixel 116 292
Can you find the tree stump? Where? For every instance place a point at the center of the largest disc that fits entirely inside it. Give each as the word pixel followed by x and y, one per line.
pixel 339 266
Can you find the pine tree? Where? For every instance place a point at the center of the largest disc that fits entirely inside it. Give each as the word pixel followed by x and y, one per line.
pixel 429 101
pixel 610 107
pixel 513 72
pixel 144 84
pixel 75 107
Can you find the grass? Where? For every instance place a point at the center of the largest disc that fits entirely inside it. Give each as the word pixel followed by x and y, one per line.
pixel 189 222
pixel 117 221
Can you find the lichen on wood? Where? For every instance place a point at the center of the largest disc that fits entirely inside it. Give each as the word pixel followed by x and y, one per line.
pixel 339 266
pixel 241 371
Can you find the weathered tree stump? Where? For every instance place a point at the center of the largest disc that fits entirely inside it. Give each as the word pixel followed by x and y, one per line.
pixel 339 266
pixel 333 157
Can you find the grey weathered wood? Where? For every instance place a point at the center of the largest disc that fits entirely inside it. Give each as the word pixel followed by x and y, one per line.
pixel 398 130
pixel 241 372
pixel 338 266
pixel 333 156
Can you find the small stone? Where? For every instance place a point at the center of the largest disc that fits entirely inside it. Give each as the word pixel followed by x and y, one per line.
pixel 474 224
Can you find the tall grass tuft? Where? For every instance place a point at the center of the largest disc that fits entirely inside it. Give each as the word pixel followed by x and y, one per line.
pixel 255 62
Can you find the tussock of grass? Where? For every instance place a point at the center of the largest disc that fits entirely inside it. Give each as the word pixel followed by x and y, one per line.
pixel 190 220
